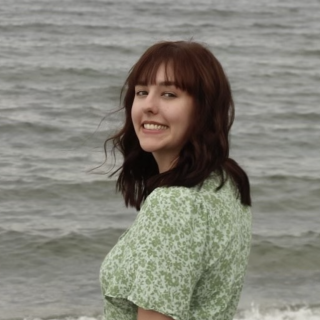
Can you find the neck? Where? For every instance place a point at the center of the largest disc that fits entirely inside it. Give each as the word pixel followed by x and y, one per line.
pixel 165 163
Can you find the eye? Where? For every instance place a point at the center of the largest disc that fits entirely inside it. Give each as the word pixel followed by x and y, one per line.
pixel 169 95
pixel 141 93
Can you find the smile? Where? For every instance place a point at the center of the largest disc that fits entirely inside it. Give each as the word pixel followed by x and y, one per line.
pixel 152 126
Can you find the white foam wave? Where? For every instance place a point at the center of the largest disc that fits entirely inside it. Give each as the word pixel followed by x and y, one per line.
pixel 254 313
pixel 289 313
pixel 68 318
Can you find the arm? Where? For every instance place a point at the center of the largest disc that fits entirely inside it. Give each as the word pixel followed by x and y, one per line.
pixel 164 255
pixel 151 315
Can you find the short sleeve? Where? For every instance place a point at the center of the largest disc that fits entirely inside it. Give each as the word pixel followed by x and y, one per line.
pixel 167 246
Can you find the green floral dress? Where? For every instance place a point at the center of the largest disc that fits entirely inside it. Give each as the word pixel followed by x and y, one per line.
pixel 184 256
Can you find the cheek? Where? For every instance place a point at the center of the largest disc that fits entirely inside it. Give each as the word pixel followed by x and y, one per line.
pixel 134 115
pixel 189 119
pixel 188 112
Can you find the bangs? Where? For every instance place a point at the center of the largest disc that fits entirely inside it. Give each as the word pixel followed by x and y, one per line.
pixel 177 64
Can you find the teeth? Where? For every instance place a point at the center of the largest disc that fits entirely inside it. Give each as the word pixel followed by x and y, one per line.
pixel 151 126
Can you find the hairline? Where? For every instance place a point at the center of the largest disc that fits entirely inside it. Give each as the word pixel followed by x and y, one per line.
pixel 161 83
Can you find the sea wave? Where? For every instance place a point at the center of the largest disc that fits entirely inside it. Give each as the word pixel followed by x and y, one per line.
pixel 298 312
pixel 281 254
pixel 253 313
pixel 285 253
pixel 48 242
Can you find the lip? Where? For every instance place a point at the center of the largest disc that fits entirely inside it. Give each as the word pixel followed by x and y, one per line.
pixel 153 122
pixel 153 131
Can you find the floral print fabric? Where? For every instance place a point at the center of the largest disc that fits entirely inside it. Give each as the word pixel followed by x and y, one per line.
pixel 184 256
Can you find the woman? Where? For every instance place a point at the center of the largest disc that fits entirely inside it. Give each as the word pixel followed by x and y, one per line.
pixel 185 255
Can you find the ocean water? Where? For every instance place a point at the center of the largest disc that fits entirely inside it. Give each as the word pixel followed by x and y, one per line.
pixel 62 65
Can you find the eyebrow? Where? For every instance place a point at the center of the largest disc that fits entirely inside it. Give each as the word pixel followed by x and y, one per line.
pixel 162 83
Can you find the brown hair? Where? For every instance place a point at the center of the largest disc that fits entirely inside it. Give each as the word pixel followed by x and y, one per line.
pixel 198 72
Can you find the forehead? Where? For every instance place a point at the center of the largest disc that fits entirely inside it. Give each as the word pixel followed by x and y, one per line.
pixel 165 72
pixel 164 75
pixel 164 69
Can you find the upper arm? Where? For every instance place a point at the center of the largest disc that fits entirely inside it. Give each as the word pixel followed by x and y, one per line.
pixel 167 251
pixel 151 315
pixel 157 264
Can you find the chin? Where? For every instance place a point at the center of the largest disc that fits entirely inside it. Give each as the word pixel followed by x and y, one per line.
pixel 148 149
pixel 148 146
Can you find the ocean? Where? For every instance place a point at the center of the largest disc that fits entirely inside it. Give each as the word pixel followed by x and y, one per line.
pixel 62 66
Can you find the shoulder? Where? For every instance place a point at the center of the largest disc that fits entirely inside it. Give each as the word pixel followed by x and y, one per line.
pixel 176 199
pixel 175 206
pixel 220 196
pixel 188 198
pixel 172 195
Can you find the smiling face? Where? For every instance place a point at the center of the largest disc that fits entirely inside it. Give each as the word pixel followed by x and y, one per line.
pixel 162 116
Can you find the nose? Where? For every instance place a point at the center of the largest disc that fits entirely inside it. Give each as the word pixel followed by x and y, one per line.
pixel 150 104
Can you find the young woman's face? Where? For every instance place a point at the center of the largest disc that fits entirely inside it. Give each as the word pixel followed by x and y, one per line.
pixel 162 115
